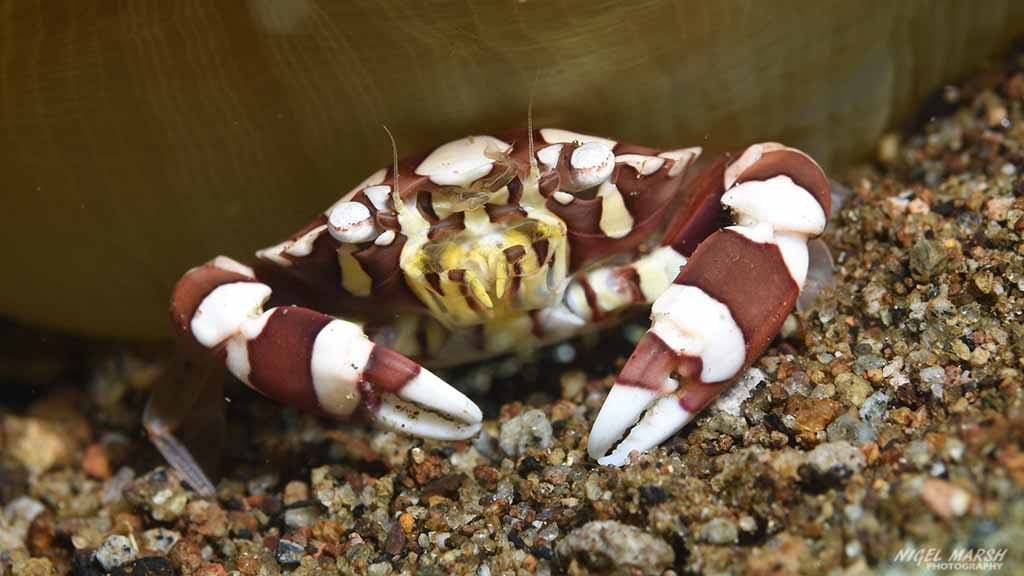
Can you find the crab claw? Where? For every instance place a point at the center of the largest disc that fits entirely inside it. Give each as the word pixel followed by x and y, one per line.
pixel 313 361
pixel 727 303
pixel 692 351
pixel 322 364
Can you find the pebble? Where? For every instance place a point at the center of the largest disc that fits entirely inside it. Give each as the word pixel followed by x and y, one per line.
pixel 731 401
pixel 851 429
pixel 207 518
pixel 927 258
pixel 159 540
pixel 115 551
pixel 161 492
pixel 529 429
pixel 18 515
pixel 611 546
pixel 852 389
pixel 725 423
pixel 812 416
pixel 289 553
pixel 38 444
pixel 719 531
pixel 875 407
pixel 918 453
pixel 830 455
pixel 945 499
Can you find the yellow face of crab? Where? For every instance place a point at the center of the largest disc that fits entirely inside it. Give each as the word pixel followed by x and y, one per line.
pixel 489 269
pixel 501 252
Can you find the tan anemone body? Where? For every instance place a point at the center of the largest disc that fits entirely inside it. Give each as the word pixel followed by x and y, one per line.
pixel 139 138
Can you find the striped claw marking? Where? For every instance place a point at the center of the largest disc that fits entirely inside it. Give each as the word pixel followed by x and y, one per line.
pixel 313 361
pixel 726 305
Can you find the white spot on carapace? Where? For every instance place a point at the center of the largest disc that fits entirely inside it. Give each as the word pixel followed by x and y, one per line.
pixel 616 221
pixel 548 156
pixel 223 311
pixel 462 162
pixel 232 265
pixel 778 201
pixel 681 158
pixel 563 198
pixel 386 238
pixel 644 165
pixel 590 165
pixel 303 245
pixel 378 196
pixel 372 180
pixel 558 136
pixel 693 323
pixel 352 222
pixel 340 353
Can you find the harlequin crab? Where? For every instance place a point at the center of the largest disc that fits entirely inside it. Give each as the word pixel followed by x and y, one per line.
pixel 490 243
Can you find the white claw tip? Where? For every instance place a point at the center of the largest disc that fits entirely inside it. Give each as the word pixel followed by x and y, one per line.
pixel 351 222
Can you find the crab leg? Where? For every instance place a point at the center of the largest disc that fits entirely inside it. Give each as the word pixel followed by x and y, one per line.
pixel 727 303
pixel 313 361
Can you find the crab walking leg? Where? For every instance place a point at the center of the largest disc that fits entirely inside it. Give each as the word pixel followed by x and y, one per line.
pixel 724 307
pixel 313 361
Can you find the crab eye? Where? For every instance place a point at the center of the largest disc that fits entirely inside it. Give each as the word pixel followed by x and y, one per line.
pixel 351 222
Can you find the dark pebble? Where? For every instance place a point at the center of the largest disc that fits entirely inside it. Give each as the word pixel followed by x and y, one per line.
pixel 148 566
pixel 289 553
pixel 817 482
pixel 652 495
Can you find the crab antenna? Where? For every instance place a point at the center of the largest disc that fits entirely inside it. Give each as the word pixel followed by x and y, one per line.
pixel 396 194
pixel 534 172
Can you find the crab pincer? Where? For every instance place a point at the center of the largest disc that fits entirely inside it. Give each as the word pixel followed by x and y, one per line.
pixel 313 361
pixel 728 301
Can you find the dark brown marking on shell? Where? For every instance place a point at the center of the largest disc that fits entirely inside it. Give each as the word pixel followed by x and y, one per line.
pixel 536 326
pixel 388 220
pixel 514 253
pixel 389 371
pixel 694 395
pixel 451 224
pixel 458 276
pixel 515 191
pixel 193 288
pixel 750 278
pixel 623 148
pixel 548 183
pixel 628 277
pixel 434 281
pixel 652 361
pixel 798 166
pixel 425 204
pixel 514 256
pixel 647 198
pixel 701 212
pixel 280 357
pixel 540 247
pixel 502 212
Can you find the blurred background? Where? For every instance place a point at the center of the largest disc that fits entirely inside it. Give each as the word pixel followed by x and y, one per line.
pixel 139 138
